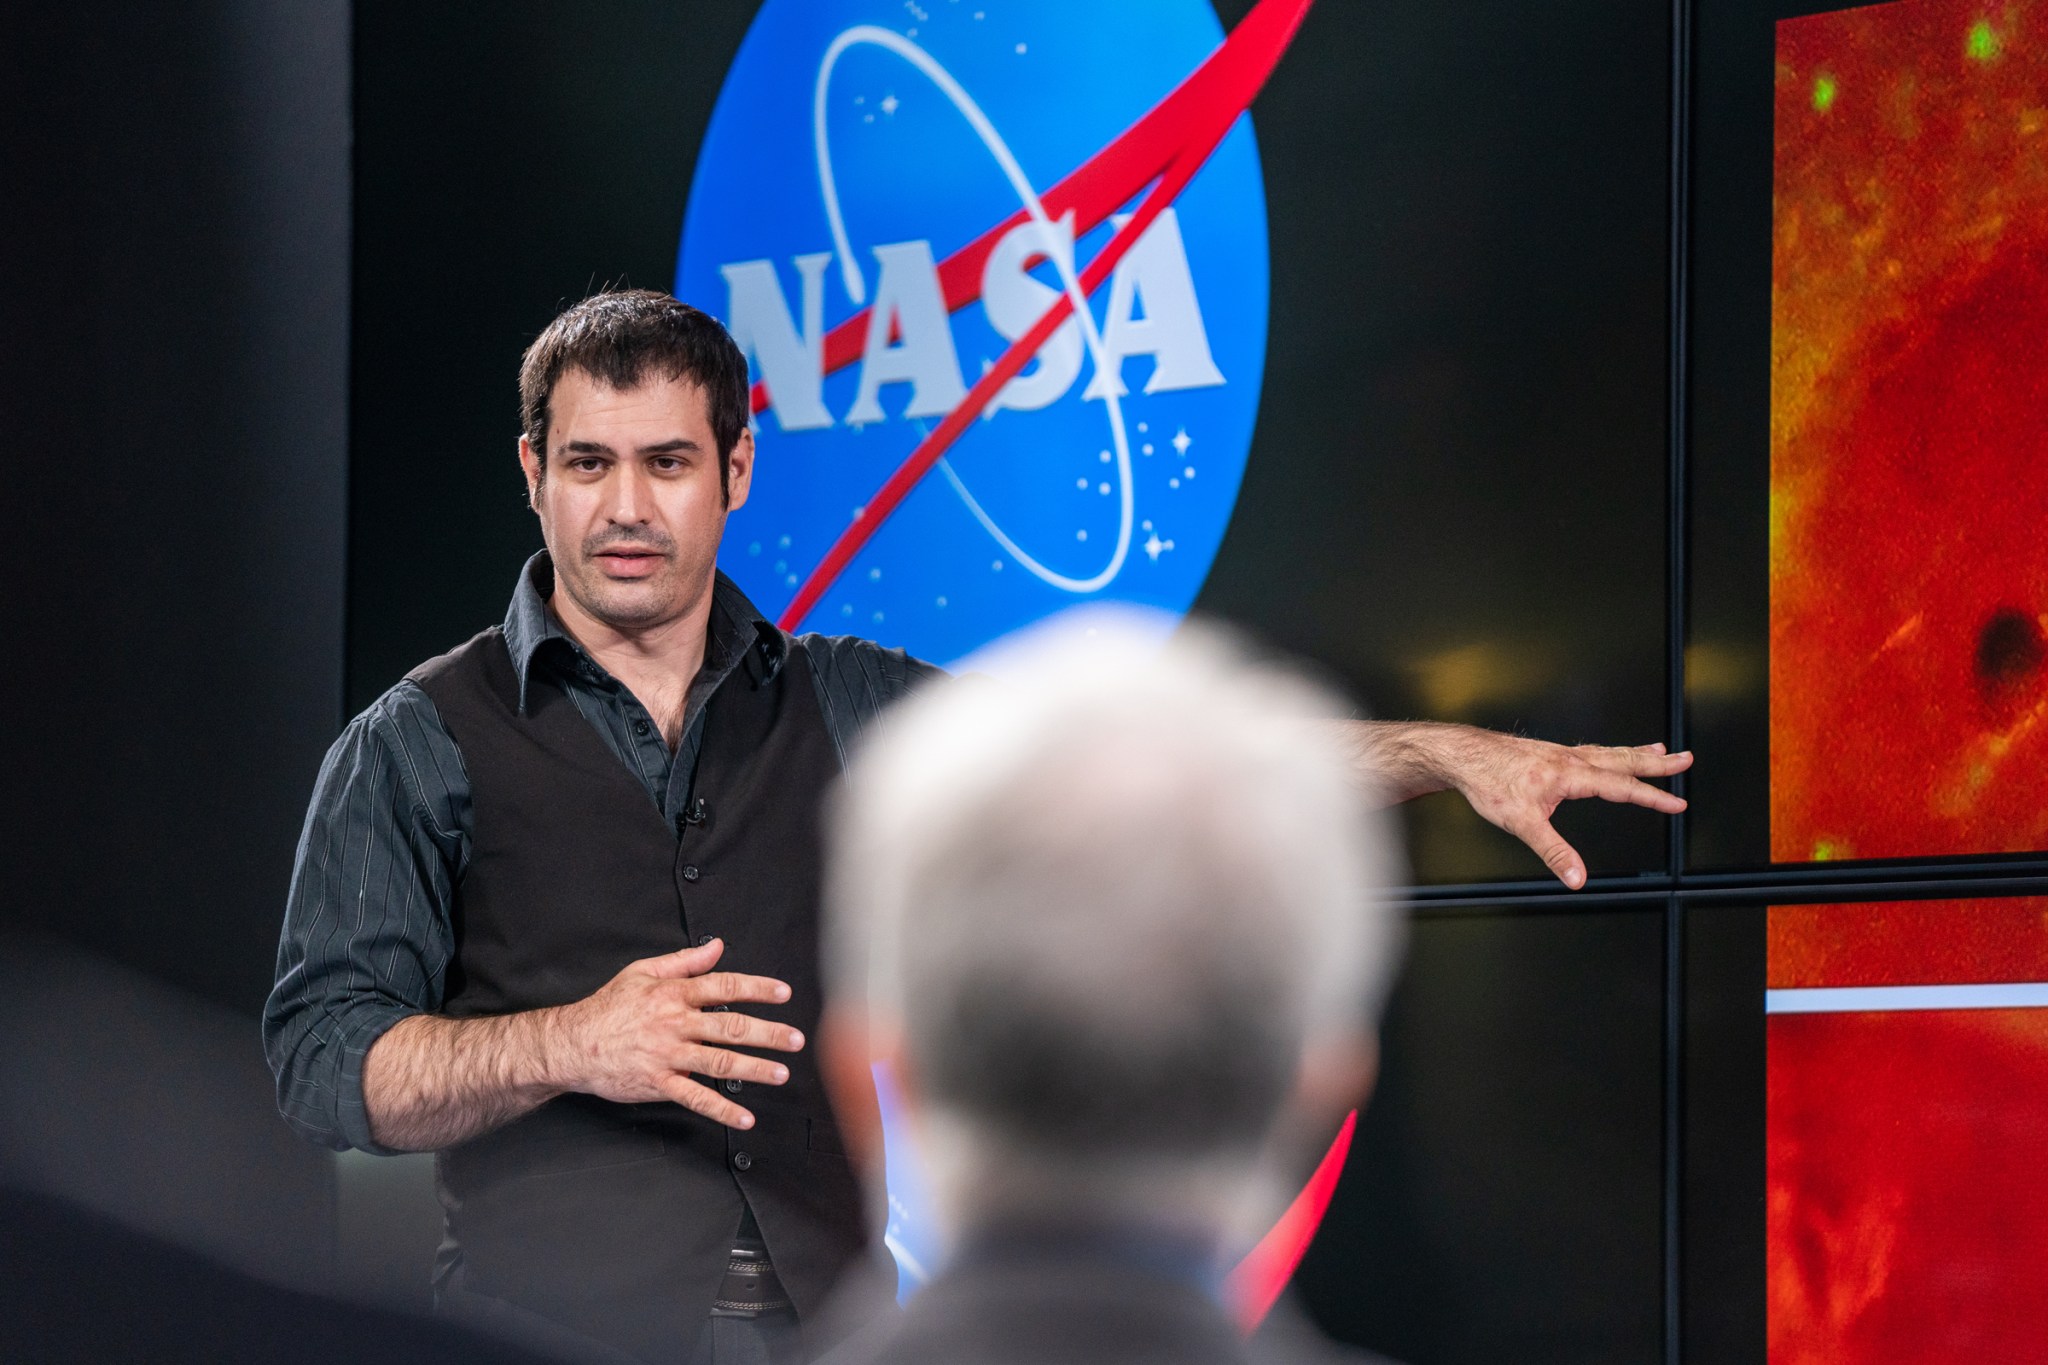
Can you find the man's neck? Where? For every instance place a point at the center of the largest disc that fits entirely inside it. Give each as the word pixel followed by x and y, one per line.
pixel 1164 1247
pixel 657 663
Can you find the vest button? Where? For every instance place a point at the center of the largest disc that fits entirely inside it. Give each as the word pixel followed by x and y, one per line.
pixel 741 1161
pixel 690 873
pixel 703 939
pixel 732 1087
pixel 698 812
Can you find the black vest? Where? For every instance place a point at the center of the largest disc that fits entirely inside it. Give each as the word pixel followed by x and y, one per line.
pixel 614 1220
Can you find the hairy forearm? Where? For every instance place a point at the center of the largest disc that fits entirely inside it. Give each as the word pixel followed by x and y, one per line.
pixel 1404 759
pixel 431 1082
pixel 1512 782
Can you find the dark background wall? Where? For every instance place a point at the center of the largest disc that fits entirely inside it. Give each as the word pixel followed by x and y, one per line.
pixel 174 367
pixel 495 191
pixel 173 363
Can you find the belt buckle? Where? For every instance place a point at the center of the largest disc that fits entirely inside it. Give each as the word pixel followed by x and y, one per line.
pixel 750 1287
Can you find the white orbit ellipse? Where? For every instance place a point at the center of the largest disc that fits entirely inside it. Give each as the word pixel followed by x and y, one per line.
pixel 856 284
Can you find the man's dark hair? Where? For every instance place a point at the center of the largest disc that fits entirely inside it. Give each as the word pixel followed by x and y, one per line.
pixel 624 337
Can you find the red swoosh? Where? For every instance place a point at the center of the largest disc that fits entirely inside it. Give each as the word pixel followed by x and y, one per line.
pixel 1171 142
pixel 1262 1274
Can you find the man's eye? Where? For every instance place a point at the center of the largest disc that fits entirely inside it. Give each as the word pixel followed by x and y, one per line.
pixel 668 464
pixel 587 465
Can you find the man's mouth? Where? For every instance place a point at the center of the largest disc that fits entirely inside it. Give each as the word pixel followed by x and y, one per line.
pixel 627 561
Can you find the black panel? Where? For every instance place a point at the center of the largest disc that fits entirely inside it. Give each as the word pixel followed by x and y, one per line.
pixel 1722 1251
pixel 1504 1200
pixel 1456 494
pixel 1729 449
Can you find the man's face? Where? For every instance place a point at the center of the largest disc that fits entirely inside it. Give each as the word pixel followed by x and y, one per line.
pixel 631 507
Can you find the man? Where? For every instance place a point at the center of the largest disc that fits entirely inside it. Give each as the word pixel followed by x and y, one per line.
pixel 1118 930
pixel 554 909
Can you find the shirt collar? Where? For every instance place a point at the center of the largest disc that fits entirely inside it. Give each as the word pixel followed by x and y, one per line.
pixel 737 632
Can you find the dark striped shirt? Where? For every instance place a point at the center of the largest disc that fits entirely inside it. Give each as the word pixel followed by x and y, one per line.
pixel 368 932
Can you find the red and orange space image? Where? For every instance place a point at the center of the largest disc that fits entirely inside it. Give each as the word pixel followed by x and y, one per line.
pixel 1907 1133
pixel 1909 432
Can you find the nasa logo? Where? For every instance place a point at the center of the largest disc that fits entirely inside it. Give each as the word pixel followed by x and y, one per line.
pixel 1019 246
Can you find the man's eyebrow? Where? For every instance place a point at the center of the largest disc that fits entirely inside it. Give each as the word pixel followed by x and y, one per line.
pixel 668 447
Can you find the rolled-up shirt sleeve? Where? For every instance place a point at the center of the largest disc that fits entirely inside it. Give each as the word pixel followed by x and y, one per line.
pixel 367 930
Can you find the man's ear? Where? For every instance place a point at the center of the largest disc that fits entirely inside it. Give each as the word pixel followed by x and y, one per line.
pixel 530 465
pixel 739 471
pixel 1336 1077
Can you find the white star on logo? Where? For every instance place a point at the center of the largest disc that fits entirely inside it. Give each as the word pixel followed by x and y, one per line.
pixel 1181 442
pixel 889 103
pixel 1155 545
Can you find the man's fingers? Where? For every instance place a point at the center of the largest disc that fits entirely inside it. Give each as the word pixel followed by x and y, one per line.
pixel 702 1099
pixel 1546 776
pixel 1609 785
pixel 723 1065
pixel 1557 855
pixel 1644 760
pixel 728 1029
pixel 732 988
pixel 684 962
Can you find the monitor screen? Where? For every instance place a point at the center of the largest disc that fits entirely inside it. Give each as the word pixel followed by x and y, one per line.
pixel 1909 320
pixel 1867 662
pixel 1392 369
pixel 1866 1130
pixel 1906 1139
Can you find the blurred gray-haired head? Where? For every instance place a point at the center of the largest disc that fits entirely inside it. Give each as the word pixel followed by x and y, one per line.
pixel 1109 907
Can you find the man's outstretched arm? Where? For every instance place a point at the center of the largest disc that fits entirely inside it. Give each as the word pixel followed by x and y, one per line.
pixel 1513 782
pixel 431 1082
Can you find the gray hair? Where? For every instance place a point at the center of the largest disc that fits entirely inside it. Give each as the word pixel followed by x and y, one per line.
pixel 1110 901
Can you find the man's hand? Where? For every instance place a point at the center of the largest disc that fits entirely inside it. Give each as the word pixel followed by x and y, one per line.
pixel 431 1082
pixel 647 1030
pixel 1513 782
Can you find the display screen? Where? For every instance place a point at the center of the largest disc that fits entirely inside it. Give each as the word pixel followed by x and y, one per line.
pixel 1864 1130
pixel 1393 368
pixel 1908 489
pixel 1907 1131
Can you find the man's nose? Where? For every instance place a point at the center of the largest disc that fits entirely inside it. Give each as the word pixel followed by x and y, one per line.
pixel 631 494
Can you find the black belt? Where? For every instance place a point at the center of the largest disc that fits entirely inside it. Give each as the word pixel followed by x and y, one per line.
pixel 749 1288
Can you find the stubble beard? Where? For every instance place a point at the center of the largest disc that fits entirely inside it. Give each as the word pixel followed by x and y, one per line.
pixel 671 591
pixel 626 606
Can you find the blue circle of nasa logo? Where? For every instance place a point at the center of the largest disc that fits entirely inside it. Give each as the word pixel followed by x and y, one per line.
pixel 900 208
